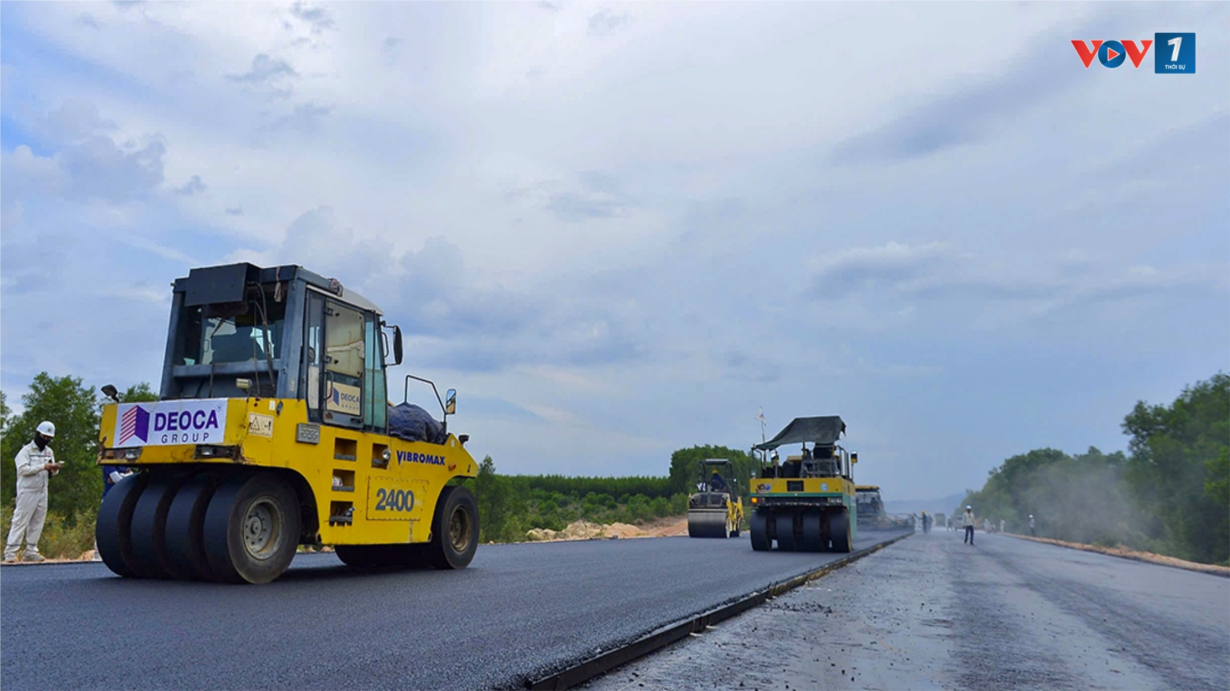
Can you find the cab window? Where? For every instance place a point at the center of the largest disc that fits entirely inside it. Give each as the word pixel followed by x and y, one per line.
pixel 344 356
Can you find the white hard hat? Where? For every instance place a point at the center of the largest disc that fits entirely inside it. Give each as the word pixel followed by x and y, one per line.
pixel 46 429
pixel 970 508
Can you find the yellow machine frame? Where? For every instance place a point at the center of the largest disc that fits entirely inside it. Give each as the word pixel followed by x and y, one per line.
pixel 262 432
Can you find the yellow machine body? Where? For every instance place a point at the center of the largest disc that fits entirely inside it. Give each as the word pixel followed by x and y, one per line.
pixel 359 496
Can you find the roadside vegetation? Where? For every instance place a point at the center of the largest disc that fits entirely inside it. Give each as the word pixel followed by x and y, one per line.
pixel 512 505
pixel 76 492
pixel 1170 494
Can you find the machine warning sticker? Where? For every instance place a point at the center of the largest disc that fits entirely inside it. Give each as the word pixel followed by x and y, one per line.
pixel 260 425
pixel 170 422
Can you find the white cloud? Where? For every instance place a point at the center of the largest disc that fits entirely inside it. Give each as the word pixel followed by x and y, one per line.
pixel 644 220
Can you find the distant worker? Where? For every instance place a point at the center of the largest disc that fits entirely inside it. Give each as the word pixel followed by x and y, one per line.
pixel 35 464
pixel 986 525
pixel 1001 525
pixel 1032 530
pixel 968 520
pixel 716 483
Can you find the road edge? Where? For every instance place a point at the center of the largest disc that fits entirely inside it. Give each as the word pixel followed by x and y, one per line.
pixel 671 633
pixel 1146 557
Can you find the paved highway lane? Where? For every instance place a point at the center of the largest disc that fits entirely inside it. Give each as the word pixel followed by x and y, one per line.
pixel 932 613
pixel 517 611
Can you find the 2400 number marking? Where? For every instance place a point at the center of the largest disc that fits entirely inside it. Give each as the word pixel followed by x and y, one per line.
pixel 394 500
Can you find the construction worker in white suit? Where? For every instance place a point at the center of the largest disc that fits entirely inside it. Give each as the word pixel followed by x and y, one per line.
pixel 35 464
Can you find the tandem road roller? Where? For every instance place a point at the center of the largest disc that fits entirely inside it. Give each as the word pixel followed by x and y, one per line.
pixel 808 502
pixel 273 429
pixel 716 510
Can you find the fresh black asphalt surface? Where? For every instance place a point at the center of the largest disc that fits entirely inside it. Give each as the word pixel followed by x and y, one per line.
pixel 933 613
pixel 519 611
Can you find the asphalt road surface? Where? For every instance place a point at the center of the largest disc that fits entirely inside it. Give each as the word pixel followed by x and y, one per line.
pixel 932 613
pixel 518 611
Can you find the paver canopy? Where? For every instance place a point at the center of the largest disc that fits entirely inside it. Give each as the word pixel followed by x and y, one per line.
pixel 820 430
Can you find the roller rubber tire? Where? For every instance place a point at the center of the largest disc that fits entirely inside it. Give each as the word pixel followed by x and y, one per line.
pixel 149 523
pixel 761 542
pixel 251 529
pixel 184 526
pixel 454 529
pixel 839 530
pixel 114 523
pixel 813 532
pixel 785 531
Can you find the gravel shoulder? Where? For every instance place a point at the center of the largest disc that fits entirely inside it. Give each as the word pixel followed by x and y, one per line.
pixel 932 613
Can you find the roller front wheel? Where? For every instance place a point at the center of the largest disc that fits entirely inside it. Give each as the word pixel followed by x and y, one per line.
pixel 251 529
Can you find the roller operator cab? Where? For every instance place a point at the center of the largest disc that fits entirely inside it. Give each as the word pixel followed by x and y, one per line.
pixel 273 430
pixel 806 503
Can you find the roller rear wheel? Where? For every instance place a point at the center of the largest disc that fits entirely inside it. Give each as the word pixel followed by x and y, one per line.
pixel 813 532
pixel 184 526
pixel 785 531
pixel 112 529
pixel 839 530
pixel 761 542
pixel 251 529
pixel 454 529
pixel 149 523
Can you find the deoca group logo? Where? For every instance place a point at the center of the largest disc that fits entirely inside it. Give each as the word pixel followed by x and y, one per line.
pixel 170 422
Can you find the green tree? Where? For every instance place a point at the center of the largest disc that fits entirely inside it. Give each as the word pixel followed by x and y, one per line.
pixel 74 409
pixel 1177 471
pixel 139 393
pixel 685 468
pixel 491 501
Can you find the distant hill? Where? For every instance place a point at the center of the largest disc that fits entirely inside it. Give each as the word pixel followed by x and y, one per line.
pixel 943 505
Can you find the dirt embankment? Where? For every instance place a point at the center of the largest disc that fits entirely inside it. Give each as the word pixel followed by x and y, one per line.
pixel 584 530
pixel 1133 554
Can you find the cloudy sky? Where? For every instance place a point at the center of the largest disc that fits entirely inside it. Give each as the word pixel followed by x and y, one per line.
pixel 618 229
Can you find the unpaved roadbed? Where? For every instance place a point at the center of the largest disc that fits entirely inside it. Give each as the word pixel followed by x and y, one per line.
pixel 930 612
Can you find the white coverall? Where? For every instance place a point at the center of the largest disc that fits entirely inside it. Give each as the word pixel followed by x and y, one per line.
pixel 31 508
